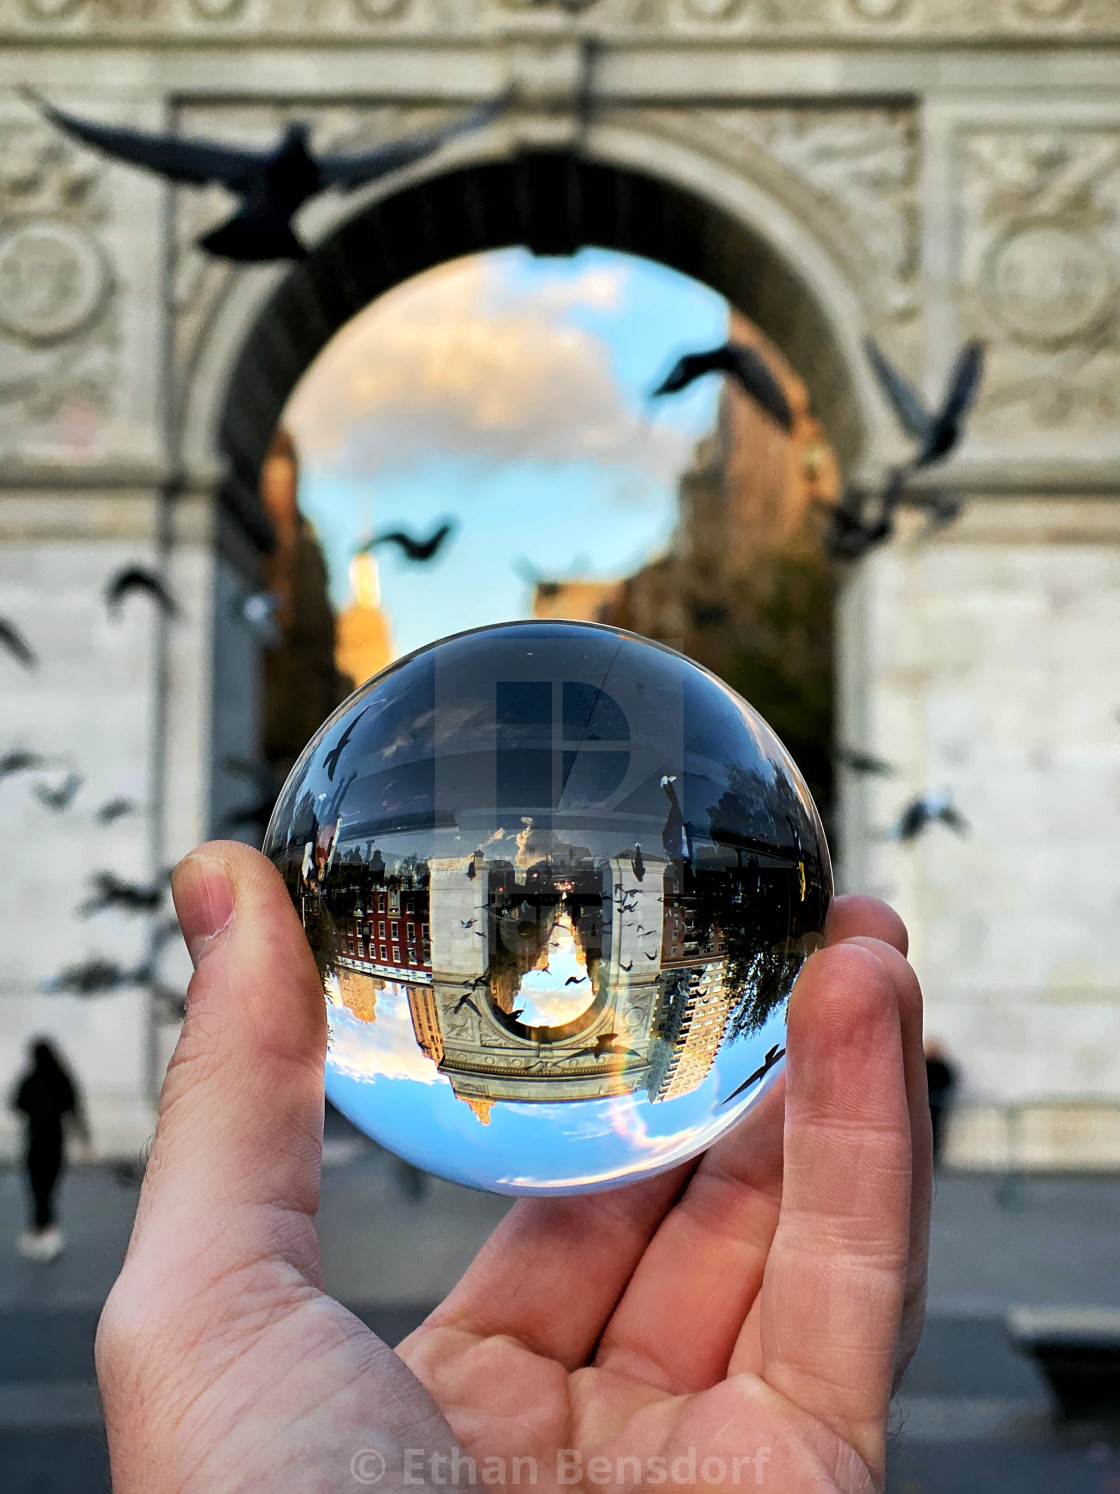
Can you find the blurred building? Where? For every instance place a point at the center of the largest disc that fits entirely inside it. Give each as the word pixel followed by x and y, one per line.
pixel 743 586
pixel 364 645
pixel 303 682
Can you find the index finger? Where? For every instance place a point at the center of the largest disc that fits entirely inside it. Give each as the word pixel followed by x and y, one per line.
pixel 832 1296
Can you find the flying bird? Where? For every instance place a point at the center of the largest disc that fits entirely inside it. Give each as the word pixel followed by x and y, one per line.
pixel 93 978
pixel 864 763
pixel 925 810
pixel 607 1043
pixel 115 809
pixel 334 756
pixel 272 182
pixel 20 762
pixel 467 1000
pixel 575 980
pixel 17 645
pixel 772 1056
pixel 111 891
pixel 139 578
pixel 638 864
pixel 937 431
pixel 411 548
pixel 742 363
pixel 472 870
pixel 60 798
pixel 848 536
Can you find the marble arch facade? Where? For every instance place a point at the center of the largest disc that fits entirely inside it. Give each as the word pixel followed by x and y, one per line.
pixel 924 169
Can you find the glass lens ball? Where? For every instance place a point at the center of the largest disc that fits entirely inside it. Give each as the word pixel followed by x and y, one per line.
pixel 558 881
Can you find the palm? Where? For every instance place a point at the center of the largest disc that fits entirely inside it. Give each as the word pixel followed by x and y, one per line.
pixel 748 1312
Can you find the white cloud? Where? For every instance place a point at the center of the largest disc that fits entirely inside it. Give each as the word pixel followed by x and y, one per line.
pixel 386 1046
pixel 460 361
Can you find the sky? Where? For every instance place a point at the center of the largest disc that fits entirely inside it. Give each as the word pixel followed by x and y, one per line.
pixel 378 1077
pixel 509 393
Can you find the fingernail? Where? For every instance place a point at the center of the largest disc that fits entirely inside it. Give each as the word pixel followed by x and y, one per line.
pixel 202 887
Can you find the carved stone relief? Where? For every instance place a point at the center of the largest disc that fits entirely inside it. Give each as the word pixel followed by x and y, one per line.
pixel 966 19
pixel 852 171
pixel 1040 272
pixel 57 317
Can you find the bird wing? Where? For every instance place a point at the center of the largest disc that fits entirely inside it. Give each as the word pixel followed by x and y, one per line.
pixel 954 819
pixel 904 398
pixel 752 373
pixel 912 819
pixel 349 171
pixel 179 160
pixel 963 384
pixel 17 645
pixel 690 367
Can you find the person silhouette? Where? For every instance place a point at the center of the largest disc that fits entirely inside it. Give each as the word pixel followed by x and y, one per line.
pixel 48 1096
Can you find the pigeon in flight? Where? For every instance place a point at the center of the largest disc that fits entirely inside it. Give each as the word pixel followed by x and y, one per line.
pixel 273 183
pixel 20 762
pixel 412 549
pixel 638 863
pixel 111 891
pixel 138 578
pixel 938 431
pixel 17 645
pixel 864 763
pixel 772 1056
pixel 575 980
pixel 60 798
pixel 115 809
pixel 605 1044
pixel 742 363
pixel 334 756
pixel 926 810
pixel 94 978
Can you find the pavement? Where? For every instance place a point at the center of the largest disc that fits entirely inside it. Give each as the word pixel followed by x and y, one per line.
pixel 972 1415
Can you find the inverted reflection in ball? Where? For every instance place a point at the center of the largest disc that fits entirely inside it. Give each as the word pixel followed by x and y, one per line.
pixel 558 881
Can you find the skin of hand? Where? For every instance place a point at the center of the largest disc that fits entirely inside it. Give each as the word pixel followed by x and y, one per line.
pixel 757 1304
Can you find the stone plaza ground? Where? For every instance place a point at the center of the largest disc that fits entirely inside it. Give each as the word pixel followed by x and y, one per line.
pixel 972 1415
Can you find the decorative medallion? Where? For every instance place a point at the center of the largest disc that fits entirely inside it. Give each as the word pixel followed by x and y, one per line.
pixel 379 10
pixel 713 10
pixel 1048 283
pixel 52 10
pixel 53 280
pixel 1048 10
pixel 217 10
pixel 879 10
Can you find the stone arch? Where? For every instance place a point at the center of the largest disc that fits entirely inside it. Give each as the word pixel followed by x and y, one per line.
pixel 552 203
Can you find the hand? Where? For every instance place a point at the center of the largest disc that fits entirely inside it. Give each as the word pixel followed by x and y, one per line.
pixel 757 1305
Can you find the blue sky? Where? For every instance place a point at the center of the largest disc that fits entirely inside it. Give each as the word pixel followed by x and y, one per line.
pixel 509 393
pixel 378 1077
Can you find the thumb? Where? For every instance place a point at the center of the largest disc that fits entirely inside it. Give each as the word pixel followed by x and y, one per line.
pixel 234 1171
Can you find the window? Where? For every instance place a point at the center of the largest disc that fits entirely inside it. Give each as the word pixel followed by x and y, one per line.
pixel 396 955
pixel 381 928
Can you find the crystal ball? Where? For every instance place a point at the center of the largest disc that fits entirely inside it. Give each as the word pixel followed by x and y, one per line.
pixel 558 881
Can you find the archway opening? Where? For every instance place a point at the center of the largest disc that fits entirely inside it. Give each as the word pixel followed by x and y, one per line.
pixel 767 633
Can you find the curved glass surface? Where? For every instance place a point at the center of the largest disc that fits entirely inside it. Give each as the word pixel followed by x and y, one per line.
pixel 558 881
